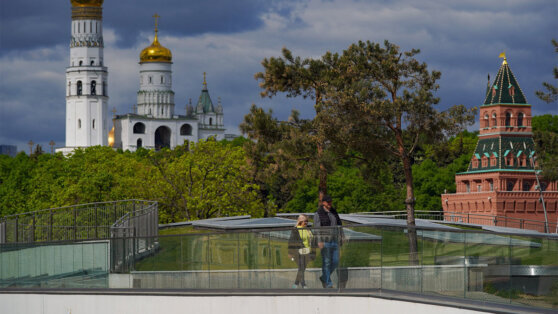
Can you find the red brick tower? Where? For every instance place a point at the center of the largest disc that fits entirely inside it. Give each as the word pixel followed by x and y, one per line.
pixel 499 187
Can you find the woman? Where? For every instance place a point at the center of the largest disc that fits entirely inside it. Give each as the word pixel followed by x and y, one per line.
pixel 300 248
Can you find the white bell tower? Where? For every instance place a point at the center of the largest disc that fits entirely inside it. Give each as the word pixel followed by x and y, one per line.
pixel 86 79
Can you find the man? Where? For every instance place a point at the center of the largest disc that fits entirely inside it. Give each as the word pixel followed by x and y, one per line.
pixel 328 239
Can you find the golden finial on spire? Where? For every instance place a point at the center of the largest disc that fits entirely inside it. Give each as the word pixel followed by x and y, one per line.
pixel 204 82
pixel 503 55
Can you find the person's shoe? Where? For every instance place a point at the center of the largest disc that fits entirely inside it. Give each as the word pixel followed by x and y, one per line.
pixel 324 284
pixel 295 286
pixel 304 287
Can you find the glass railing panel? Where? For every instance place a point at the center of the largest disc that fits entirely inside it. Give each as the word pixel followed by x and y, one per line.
pixel 401 268
pixel 444 270
pixel 224 254
pixel 9 264
pixel 534 272
pixel 491 255
pixel 54 265
pixel 160 267
pixel 256 260
pixel 360 258
pixel 172 262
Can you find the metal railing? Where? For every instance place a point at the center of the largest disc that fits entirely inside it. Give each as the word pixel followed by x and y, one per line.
pixel 78 222
pixel 133 236
pixel 472 218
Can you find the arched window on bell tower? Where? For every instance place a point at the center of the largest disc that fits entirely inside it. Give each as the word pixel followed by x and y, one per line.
pixel 520 119
pixel 508 119
pixel 93 88
pixel 79 88
pixel 494 120
pixel 486 121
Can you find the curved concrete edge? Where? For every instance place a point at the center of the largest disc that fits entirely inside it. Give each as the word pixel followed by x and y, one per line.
pixel 138 304
pixel 241 301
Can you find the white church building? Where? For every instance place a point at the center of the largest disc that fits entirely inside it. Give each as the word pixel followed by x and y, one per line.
pixel 155 123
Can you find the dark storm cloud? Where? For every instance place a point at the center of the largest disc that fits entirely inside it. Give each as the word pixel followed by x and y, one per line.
pixel 28 24
pixel 229 39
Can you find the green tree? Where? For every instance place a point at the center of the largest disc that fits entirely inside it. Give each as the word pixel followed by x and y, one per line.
pixel 545 135
pixel 351 191
pixel 301 77
pixel 445 152
pixel 551 93
pixel 431 181
pixel 280 152
pixel 205 180
pixel 15 180
pixel 389 96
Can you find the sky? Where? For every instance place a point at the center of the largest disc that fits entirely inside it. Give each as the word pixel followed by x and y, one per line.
pixel 229 39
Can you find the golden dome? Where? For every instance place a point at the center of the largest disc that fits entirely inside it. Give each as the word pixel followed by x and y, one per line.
pixel 156 52
pixel 111 137
pixel 87 3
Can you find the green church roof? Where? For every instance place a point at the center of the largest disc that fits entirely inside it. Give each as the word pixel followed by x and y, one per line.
pixel 504 89
pixel 501 148
pixel 205 100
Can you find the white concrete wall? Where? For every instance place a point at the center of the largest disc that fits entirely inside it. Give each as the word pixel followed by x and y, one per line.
pixel 138 304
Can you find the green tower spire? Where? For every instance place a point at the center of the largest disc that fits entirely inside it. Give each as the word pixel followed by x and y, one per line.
pixel 505 89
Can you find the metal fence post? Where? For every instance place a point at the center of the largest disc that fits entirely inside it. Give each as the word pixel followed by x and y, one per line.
pixel 114 213
pixel 50 223
pixel 134 243
pixel 33 227
pixel 16 229
pixel 3 231
pixel 75 223
pixel 96 223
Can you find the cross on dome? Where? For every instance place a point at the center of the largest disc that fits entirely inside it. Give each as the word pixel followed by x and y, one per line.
pixel 156 16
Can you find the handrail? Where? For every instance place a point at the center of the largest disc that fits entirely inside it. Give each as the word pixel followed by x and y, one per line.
pixel 522 223
pixel 72 206
pixel 76 222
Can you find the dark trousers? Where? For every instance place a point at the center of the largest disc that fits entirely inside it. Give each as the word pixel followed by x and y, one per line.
pixel 302 261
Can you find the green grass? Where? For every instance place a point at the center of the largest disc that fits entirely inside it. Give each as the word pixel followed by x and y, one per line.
pixel 184 230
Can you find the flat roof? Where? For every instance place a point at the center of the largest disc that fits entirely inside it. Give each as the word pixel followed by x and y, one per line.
pixel 244 222
pixel 372 220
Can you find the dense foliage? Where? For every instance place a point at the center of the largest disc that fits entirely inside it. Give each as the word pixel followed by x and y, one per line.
pixel 195 181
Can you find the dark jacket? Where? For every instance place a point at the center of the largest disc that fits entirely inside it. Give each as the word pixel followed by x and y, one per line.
pixel 324 219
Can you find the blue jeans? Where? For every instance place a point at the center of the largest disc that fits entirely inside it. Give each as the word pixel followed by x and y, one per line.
pixel 330 261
